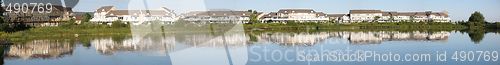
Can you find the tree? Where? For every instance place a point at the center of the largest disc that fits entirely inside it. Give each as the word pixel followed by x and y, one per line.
pixel 412 18
pixel 119 24
pixel 391 18
pixel 376 18
pixel 3 25
pixel 476 20
pixel 497 25
pixel 476 35
pixel 86 17
pixel 69 23
pixel 253 16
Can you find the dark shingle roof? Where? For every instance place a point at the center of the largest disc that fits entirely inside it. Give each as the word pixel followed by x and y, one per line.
pixel 104 9
pixel 220 13
pixel 320 14
pixel 269 15
pixel 390 13
pixel 440 14
pixel 336 15
pixel 296 11
pixel 132 12
pixel 364 11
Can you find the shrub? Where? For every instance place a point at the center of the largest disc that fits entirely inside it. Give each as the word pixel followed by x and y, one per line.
pixel 118 24
pixel 497 24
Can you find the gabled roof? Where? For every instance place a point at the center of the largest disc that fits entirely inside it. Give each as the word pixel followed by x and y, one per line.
pixel 364 11
pixel 219 13
pixel 269 15
pixel 390 13
pixel 104 9
pixel 321 14
pixel 440 14
pixel 336 15
pixel 296 11
pixel 136 12
pixel 405 14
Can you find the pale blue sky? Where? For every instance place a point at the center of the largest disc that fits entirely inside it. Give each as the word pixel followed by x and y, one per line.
pixel 458 9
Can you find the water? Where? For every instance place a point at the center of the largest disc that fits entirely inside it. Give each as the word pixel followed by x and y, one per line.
pixel 262 48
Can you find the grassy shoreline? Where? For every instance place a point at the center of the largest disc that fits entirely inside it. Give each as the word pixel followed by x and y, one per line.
pixel 100 30
pixel 356 26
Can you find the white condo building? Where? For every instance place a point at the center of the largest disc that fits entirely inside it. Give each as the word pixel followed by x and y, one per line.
pixel 219 16
pixel 338 18
pixel 297 15
pixel 384 16
pixel 107 14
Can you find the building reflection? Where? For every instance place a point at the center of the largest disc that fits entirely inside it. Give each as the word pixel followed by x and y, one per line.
pixel 294 39
pixel 379 37
pixel 108 46
pixel 45 49
pixel 215 41
pixel 162 44
pixel 308 39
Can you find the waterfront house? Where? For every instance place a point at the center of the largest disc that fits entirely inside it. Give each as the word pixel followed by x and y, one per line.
pixel 57 14
pixel 108 14
pixel 219 16
pixel 338 18
pixel 389 16
pixel 364 15
pixel 296 15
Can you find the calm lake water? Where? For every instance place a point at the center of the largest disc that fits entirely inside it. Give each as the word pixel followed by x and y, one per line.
pixel 263 48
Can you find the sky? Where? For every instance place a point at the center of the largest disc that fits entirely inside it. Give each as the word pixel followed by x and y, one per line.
pixel 458 9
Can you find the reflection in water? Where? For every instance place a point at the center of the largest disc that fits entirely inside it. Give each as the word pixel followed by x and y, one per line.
pixel 213 41
pixel 219 48
pixel 378 37
pixel 167 44
pixel 308 39
pixel 46 49
pixel 162 45
pixel 476 35
pixel 108 46
pixel 292 39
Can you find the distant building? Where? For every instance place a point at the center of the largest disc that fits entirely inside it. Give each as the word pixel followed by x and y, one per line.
pixel 364 15
pixel 107 14
pixel 338 18
pixel 297 15
pixel 57 15
pixel 383 16
pixel 78 16
pixel 219 16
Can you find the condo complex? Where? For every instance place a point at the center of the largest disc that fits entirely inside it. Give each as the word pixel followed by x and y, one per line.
pixel 108 14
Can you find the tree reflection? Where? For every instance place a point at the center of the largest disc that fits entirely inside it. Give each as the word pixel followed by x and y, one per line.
pixel 476 35
pixel 2 50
